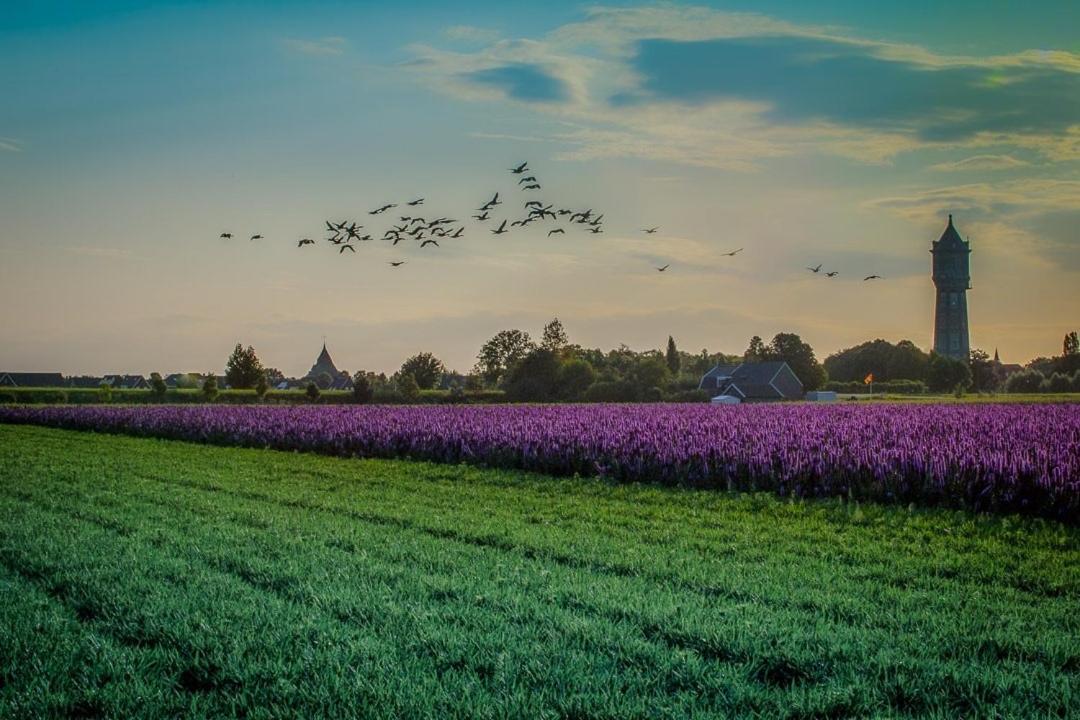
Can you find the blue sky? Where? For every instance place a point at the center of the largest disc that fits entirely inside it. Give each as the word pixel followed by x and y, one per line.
pixel 133 133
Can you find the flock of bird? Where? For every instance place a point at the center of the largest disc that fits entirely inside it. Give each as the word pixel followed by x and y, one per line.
pixel 347 234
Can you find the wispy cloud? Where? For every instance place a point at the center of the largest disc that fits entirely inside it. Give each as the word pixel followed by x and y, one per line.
pixel 723 89
pixel 330 45
pixel 10 144
pixel 981 162
pixel 471 33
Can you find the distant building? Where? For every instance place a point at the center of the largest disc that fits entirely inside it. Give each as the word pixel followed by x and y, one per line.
pixel 952 278
pixel 85 381
pixel 31 379
pixel 324 364
pixel 1004 370
pixel 126 382
pixel 753 381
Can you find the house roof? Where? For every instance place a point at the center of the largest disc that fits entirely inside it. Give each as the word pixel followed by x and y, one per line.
pixel 31 379
pixel 749 380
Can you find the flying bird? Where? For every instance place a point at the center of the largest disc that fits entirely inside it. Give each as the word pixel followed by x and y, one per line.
pixel 531 178
pixel 733 253
pixel 382 209
pixel 305 241
pixel 491 203
pixel 872 277
pixel 834 273
pixel 429 242
pixel 458 233
pixel 396 263
pixel 417 201
pixel 662 269
pixel 226 235
pixel 532 186
pixel 256 237
pixel 482 216
pixel 559 231
pixel 501 229
pixel 596 230
pixel 815 269
pixel 649 231
pixel 520 168
pixel 345 247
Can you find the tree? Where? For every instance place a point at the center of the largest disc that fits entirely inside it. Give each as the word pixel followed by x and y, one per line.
pixel 756 351
pixel 273 376
pixel 501 352
pixel 554 337
pixel 425 368
pixel 312 391
pixel 362 391
pixel 210 387
pixel 105 392
pixel 1071 346
pixel 903 361
pixel 534 378
pixel 790 348
pixel 984 373
pixel 575 377
pixel 649 372
pixel 243 369
pixel 408 387
pixel 157 385
pixel 674 362
pixel 262 386
pixel 1070 356
pixel 1025 381
pixel 945 373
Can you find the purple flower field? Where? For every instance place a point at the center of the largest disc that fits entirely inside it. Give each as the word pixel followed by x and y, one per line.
pixel 1002 458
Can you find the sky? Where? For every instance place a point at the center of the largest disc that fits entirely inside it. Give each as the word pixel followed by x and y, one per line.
pixel 132 134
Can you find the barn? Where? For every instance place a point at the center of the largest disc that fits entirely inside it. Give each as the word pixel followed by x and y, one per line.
pixel 753 381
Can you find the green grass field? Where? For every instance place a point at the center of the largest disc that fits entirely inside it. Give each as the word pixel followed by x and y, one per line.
pixel 145 578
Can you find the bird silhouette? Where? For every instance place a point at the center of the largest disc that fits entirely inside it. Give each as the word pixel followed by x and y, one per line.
pixel 649 231
pixel 532 186
pixel 815 269
pixel 872 277
pixel 226 235
pixel 345 247
pixel 396 263
pixel 491 203
pixel 458 233
pixel 305 241
pixel 531 178
pixel 520 168
pixel 256 237
pixel 662 269
pixel 482 216
pixel 501 229
pixel 417 201
pixel 733 253
pixel 834 273
pixel 559 231
pixel 596 230
pixel 429 242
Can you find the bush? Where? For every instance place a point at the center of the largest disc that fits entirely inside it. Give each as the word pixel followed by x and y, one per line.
pixel 652 394
pixel 575 377
pixel 6 398
pixel 210 388
pixel 312 392
pixel 1075 387
pixel 611 391
pixel 689 396
pixel 945 373
pixel 408 388
pixel 894 387
pixel 105 392
pixel 1025 381
pixel 261 387
pixel 362 392
pixel 157 386
pixel 1056 383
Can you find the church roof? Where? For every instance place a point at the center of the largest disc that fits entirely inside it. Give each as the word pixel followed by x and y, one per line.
pixel 324 364
pixel 951 238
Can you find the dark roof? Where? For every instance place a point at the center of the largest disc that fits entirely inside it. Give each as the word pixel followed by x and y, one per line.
pixel 31 379
pixel 324 364
pixel 85 381
pixel 760 380
pixel 951 238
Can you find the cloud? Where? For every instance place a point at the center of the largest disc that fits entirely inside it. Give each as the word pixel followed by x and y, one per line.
pixel 528 83
pixel 731 90
pixel 331 45
pixel 10 144
pixel 981 162
pixel 471 33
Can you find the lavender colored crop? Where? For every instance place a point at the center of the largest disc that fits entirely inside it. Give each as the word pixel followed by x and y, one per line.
pixel 1012 458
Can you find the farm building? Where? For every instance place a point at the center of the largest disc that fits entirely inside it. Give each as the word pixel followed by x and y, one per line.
pixel 753 381
pixel 126 382
pixel 17 379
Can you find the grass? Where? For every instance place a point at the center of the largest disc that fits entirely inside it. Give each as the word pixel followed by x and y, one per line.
pixel 148 578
